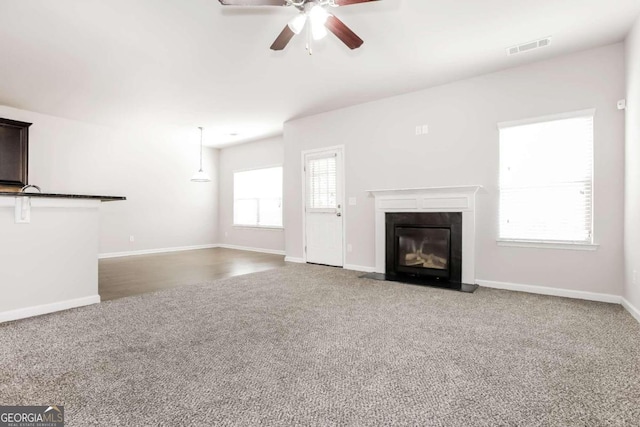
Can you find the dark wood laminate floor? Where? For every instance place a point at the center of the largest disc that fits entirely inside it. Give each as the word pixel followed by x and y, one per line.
pixel 122 277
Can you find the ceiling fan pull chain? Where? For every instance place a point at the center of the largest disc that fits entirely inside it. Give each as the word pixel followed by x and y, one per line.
pixel 309 40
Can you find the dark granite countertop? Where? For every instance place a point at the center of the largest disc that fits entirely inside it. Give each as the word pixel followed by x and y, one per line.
pixel 61 196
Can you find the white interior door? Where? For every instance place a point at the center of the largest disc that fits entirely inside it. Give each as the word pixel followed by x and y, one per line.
pixel 323 207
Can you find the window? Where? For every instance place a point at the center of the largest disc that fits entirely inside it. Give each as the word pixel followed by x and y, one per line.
pixel 546 179
pixel 322 179
pixel 257 197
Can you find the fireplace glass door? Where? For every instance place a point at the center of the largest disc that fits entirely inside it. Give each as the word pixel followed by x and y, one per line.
pixel 423 250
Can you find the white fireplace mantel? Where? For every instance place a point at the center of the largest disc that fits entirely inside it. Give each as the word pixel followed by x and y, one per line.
pixel 430 199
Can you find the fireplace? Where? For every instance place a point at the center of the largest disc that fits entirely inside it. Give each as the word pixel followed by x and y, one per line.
pixel 449 208
pixel 424 247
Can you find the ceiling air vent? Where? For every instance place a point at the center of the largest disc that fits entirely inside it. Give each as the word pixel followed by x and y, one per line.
pixel 526 47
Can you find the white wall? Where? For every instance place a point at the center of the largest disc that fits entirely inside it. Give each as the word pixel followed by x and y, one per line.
pixel 383 152
pixel 632 181
pixel 151 168
pixel 253 155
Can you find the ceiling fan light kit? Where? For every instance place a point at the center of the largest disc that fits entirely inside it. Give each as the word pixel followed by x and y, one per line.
pixel 297 23
pixel 314 16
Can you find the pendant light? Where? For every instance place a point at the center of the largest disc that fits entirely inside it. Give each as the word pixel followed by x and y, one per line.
pixel 200 176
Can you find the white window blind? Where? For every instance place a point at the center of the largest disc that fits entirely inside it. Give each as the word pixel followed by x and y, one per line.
pixel 322 181
pixel 546 180
pixel 257 197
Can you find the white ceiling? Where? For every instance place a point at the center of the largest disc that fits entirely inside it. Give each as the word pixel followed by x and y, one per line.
pixel 189 63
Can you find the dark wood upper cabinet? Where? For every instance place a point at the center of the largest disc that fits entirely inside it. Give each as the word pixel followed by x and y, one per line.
pixel 14 153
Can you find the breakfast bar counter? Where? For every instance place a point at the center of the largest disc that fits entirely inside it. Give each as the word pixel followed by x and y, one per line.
pixel 49 246
pixel 61 196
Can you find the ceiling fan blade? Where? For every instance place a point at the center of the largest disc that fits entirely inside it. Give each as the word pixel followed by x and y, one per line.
pixel 283 39
pixel 343 32
pixel 348 2
pixel 254 2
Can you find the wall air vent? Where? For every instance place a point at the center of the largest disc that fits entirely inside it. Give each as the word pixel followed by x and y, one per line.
pixel 526 47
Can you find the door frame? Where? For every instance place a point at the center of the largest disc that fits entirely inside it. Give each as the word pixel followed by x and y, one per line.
pixel 343 186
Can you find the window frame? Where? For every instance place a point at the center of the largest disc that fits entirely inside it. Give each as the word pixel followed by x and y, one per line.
pixel 551 244
pixel 233 206
pixel 307 182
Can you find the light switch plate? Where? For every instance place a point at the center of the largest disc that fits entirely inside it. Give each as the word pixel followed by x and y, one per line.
pixel 353 201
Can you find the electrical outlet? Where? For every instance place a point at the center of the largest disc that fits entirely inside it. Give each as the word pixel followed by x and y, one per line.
pixel 132 239
pixel 226 234
pixel 349 247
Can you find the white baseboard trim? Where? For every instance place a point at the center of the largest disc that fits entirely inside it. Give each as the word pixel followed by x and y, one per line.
pixel 294 259
pixel 361 268
pixel 23 313
pixel 246 248
pixel 542 290
pixel 156 251
pixel 631 309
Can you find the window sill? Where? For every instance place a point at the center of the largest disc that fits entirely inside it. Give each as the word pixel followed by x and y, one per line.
pixel 548 245
pixel 259 227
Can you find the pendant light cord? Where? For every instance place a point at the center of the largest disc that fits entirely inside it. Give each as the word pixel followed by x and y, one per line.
pixel 200 148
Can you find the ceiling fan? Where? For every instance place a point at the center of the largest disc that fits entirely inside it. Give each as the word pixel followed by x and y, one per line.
pixel 314 16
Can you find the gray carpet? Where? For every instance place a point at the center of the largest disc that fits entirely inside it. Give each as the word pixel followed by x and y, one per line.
pixel 308 345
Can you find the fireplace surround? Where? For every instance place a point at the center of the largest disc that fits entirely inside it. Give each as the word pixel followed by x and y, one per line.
pixel 438 200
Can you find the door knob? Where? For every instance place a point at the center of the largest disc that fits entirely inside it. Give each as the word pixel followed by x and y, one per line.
pixel 338 214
